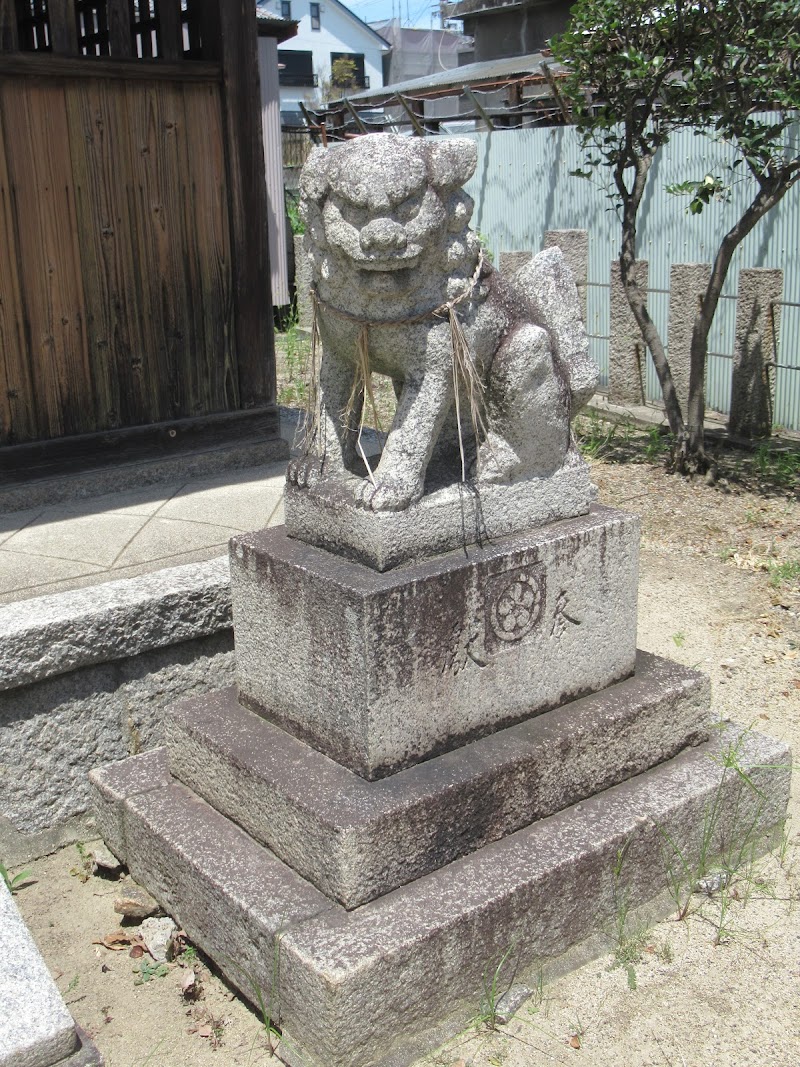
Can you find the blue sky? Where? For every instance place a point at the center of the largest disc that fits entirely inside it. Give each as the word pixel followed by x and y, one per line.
pixel 413 12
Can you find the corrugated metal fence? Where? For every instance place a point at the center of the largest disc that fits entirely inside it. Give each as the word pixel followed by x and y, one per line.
pixel 522 188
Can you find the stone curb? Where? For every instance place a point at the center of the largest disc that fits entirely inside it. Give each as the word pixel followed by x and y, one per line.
pixel 52 635
pixel 36 1029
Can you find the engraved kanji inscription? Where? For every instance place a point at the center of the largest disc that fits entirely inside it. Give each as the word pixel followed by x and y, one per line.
pixel 562 616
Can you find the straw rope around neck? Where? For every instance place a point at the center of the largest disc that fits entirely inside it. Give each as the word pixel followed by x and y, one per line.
pixel 464 373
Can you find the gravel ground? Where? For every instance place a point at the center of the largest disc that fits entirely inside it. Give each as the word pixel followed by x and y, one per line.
pixel 719 590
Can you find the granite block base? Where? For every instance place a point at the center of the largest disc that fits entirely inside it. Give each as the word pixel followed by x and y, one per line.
pixel 382 671
pixel 451 517
pixel 362 988
pixel 356 840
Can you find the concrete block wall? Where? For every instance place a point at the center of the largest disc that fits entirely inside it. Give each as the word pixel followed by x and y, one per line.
pixel 85 677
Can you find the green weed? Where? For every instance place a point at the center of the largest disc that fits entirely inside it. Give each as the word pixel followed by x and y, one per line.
pixel 488 255
pixel 724 853
pixel 595 435
pixel 293 213
pixel 14 882
pixel 488 1016
pixel 679 638
pixel 188 958
pixel 657 444
pixel 785 573
pixel 269 1005
pixel 779 465
pixel 83 869
pixel 149 969
pixel 629 938
pixel 297 351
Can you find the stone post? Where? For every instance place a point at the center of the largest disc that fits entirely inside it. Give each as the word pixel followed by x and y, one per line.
pixel 757 326
pixel 511 262
pixel 302 283
pixel 687 284
pixel 575 246
pixel 626 349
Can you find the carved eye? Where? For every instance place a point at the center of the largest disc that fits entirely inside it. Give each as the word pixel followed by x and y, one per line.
pixel 408 209
pixel 355 215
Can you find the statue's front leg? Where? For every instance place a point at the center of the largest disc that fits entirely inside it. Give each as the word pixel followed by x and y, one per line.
pixel 331 441
pixel 400 477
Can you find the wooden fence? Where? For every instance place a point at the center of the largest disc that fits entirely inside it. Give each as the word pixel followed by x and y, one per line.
pixel 134 276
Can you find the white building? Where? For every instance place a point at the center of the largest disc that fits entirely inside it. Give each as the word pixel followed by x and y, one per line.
pixel 327 31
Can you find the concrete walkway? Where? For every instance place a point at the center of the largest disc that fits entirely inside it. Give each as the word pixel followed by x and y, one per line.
pixel 135 531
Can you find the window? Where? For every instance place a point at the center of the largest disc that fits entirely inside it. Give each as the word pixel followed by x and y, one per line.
pixel 347 70
pixel 34 26
pixel 286 9
pixel 92 19
pixel 296 68
pixel 314 9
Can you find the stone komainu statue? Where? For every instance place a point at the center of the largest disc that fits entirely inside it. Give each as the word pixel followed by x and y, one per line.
pixel 488 371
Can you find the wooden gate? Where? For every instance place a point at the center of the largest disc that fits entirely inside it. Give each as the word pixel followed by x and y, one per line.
pixel 134 276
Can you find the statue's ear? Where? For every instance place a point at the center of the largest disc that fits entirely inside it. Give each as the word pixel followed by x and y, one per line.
pixel 451 161
pixel 314 175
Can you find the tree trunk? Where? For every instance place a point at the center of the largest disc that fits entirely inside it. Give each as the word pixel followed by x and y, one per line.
pixel 692 458
pixel 637 300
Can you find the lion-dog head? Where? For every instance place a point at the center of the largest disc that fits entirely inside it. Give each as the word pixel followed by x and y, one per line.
pixel 389 205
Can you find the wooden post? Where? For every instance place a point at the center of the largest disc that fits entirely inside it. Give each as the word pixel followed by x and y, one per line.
pixel 514 104
pixel 170 38
pixel 63 28
pixel 413 114
pixel 9 41
pixel 255 340
pixel 119 29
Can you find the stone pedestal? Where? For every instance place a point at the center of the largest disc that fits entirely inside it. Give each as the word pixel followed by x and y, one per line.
pixel 380 671
pixel 423 766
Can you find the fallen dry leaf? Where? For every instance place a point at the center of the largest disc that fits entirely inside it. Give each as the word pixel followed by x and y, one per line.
pixel 574 1041
pixel 119 940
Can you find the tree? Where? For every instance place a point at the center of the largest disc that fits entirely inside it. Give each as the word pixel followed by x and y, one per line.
pixel 344 77
pixel 638 70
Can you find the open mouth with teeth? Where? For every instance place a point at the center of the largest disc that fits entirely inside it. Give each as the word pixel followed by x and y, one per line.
pixel 389 261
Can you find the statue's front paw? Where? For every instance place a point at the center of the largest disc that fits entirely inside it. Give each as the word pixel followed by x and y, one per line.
pixel 387 494
pixel 304 472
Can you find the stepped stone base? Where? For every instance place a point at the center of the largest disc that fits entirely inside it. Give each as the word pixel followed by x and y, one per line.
pixel 357 988
pixel 382 671
pixel 356 840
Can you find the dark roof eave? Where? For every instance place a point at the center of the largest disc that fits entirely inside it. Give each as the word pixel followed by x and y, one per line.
pixel 451 81
pixel 472 9
pixel 281 29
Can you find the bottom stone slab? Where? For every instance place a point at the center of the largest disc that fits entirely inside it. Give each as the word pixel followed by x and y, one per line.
pixel 360 988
